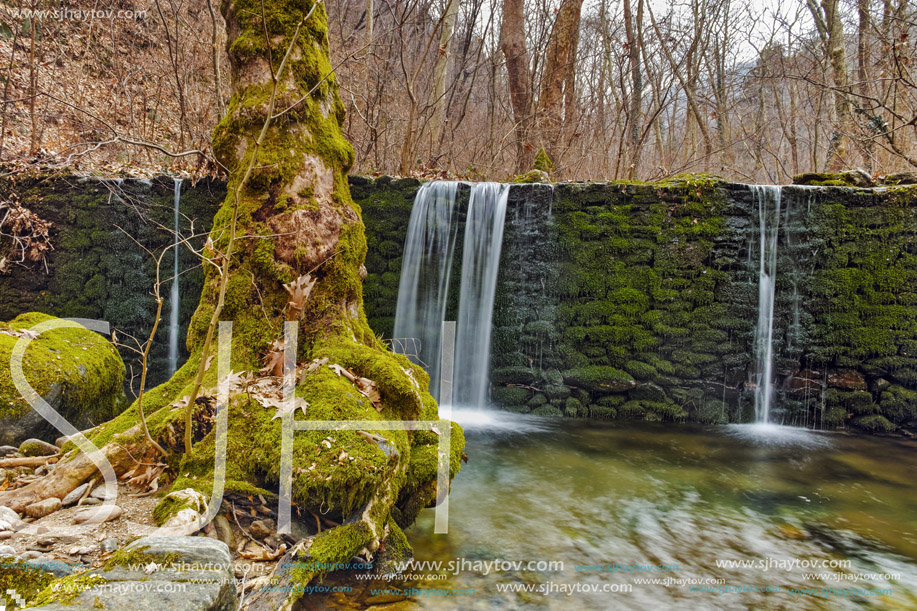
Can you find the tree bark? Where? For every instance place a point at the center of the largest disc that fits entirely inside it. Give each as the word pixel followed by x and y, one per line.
pixel 519 73
pixel 559 70
pixel 438 94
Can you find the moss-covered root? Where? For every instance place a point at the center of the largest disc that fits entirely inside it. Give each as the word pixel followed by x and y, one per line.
pixel 362 533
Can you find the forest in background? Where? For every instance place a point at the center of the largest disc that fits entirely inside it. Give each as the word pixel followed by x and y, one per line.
pixel 479 88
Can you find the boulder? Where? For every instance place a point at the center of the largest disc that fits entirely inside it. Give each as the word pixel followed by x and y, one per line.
pixel 78 372
pixel 37 447
pixel 199 568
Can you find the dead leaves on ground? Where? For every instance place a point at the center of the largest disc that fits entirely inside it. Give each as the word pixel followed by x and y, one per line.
pixel 144 478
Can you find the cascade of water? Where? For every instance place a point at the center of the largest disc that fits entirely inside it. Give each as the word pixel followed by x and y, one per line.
pixel 480 263
pixel 768 200
pixel 174 295
pixel 425 271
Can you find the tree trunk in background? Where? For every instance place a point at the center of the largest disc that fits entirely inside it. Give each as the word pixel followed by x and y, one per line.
pixel 632 29
pixel 438 94
pixel 830 28
pixel 559 70
pixel 519 72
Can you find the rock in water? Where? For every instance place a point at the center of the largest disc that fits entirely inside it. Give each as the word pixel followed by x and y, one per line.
pixel 195 575
pixel 37 447
pixel 43 508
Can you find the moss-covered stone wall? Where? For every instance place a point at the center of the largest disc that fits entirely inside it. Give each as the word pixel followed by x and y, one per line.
pixel 622 300
pixel 615 300
pixel 96 269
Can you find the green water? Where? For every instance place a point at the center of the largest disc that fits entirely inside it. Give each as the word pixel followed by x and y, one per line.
pixel 686 497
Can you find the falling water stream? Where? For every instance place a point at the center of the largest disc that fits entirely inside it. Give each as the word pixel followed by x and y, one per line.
pixel 174 296
pixel 423 292
pixel 768 199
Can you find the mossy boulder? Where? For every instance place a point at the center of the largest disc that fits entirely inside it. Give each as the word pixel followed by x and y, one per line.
pixel 548 411
pixel 599 379
pixel 513 375
pixel 510 395
pixel 77 371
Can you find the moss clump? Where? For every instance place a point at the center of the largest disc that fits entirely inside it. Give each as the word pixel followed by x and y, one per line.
pixel 138 557
pixel 503 395
pixel 548 411
pixel 874 423
pixel 63 590
pixel 512 375
pixel 23 577
pixel 573 408
pixel 543 161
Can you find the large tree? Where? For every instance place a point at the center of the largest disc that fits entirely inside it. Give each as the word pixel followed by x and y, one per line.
pixel 287 245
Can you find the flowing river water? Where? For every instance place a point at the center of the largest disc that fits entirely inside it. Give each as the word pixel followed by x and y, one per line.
pixel 733 517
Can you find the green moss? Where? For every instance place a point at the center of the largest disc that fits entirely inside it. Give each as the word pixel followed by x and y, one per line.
pixel 84 365
pixel 24 577
pixel 65 589
pixel 874 423
pixel 599 379
pixel 503 395
pixel 547 411
pixel 543 162
pixel 138 556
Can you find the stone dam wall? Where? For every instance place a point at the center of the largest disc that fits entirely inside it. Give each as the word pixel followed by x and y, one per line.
pixel 614 301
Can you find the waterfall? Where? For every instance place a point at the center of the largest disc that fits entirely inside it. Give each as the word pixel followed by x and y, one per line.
pixel 174 297
pixel 423 292
pixel 425 271
pixel 480 264
pixel 768 200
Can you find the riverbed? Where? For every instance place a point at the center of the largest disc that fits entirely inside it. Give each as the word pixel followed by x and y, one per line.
pixel 551 514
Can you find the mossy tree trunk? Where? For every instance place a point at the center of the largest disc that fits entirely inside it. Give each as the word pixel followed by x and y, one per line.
pixel 289 214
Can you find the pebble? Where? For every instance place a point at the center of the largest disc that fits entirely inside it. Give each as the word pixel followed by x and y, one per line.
pixel 99 493
pixel 110 544
pixel 7 450
pixel 91 501
pixel 6 534
pixel 7 550
pixel 83 550
pixel 261 529
pixel 97 515
pixel 31 555
pixel 43 508
pixel 74 495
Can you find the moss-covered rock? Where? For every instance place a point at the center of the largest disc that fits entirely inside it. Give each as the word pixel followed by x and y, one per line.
pixel 77 371
pixel 600 379
pixel 504 395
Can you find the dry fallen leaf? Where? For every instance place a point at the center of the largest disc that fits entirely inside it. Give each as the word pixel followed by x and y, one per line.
pixel 299 291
